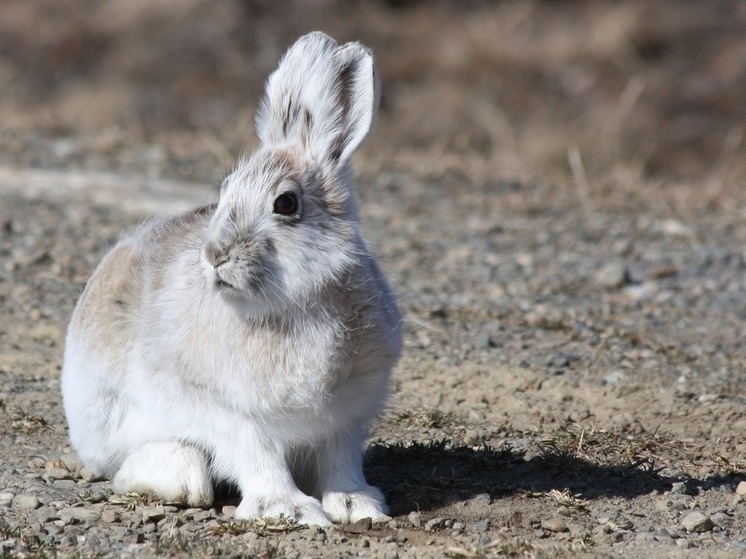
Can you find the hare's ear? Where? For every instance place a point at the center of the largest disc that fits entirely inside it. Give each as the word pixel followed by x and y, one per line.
pixel 322 98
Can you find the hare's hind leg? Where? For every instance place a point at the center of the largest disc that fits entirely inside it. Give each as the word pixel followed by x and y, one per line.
pixel 175 472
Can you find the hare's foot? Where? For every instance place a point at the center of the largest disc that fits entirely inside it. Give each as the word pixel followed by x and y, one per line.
pixel 350 506
pixel 172 471
pixel 345 495
pixel 298 508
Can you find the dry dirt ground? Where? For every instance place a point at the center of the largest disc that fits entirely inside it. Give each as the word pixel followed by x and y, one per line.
pixel 556 190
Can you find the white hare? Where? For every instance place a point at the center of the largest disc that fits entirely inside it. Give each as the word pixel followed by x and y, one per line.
pixel 251 340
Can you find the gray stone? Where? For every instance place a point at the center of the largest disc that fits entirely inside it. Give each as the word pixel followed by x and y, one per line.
pixel 37 462
pixel 109 516
pixel 435 524
pixel 153 514
pixel 6 498
pixel 682 488
pixel 614 520
pixel 57 473
pixel 359 527
pixel 26 502
pixel 720 518
pixel 697 522
pixel 613 275
pixel 203 515
pixel 89 476
pixel 71 461
pixel 46 514
pixel 229 511
pixel 554 524
pixel 79 514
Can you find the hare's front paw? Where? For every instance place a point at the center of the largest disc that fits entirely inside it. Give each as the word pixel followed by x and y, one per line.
pixel 347 507
pixel 174 472
pixel 301 509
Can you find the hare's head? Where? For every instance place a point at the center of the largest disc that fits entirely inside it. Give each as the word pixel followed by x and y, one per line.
pixel 286 223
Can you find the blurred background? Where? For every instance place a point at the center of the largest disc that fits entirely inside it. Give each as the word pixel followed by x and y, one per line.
pixel 601 96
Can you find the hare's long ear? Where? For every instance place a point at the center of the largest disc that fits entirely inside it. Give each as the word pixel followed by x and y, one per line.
pixel 322 98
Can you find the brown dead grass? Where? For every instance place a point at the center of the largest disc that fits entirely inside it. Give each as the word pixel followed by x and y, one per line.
pixel 620 104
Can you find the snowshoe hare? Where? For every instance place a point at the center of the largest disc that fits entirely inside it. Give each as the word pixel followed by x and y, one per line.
pixel 251 340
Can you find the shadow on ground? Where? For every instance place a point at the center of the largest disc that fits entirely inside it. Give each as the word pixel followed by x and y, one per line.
pixel 429 476
pixel 424 477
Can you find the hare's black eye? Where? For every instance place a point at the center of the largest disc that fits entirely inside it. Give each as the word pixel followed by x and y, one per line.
pixel 286 204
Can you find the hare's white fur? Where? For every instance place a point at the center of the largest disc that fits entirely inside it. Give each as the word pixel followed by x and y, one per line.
pixel 238 343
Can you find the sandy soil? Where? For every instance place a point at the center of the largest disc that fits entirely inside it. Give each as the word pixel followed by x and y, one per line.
pixel 556 192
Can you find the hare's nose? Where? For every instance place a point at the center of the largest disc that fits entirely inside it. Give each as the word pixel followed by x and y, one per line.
pixel 213 254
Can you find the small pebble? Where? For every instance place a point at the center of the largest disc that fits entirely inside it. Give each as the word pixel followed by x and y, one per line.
pixel 645 537
pixel 133 537
pixel 675 228
pixel 109 516
pixel 615 520
pixel 434 524
pixel 697 522
pixel 46 514
pixel 37 462
pixel 89 476
pixel 359 527
pixel 613 275
pixel 578 530
pixel 741 489
pixel 52 529
pixel 662 534
pixel 415 518
pixel 69 541
pixel 79 514
pixel 720 519
pixel 55 464
pixel 554 524
pixel 153 514
pixel 483 499
pixel 95 495
pixel 203 515
pixel 26 502
pixel 682 488
pixel 57 473
pixel 71 461
pixel 481 526
pixel 6 498
pixel 229 511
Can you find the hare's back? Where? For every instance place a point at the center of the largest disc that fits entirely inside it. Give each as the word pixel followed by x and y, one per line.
pixel 112 303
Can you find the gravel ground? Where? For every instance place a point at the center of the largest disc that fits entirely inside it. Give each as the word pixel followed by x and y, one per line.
pixel 572 380
pixel 571 383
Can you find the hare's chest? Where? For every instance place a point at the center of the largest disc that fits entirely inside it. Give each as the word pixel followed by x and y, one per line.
pixel 287 373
